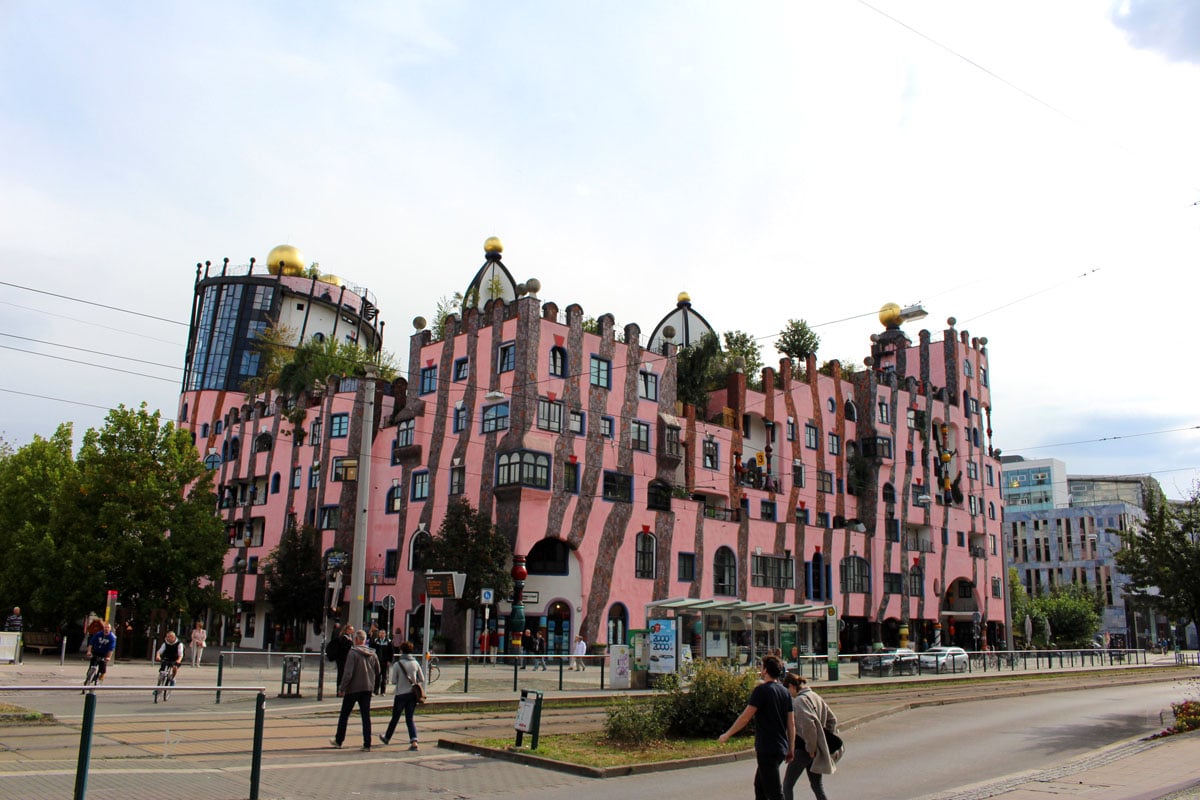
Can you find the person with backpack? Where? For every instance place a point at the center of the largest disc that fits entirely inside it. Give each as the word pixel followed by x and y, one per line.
pixel 338 648
pixel 407 680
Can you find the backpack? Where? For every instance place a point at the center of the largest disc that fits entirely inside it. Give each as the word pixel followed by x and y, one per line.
pixel 331 650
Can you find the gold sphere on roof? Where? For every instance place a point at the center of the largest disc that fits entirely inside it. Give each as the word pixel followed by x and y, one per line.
pixel 684 297
pixel 293 261
pixel 493 245
pixel 889 315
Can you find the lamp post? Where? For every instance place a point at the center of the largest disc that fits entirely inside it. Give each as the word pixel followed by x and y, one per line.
pixel 374 589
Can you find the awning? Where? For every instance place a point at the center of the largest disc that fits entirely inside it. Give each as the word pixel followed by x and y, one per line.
pixel 960 614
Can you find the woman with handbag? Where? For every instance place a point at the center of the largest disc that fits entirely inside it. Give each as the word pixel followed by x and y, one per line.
pixel 407 683
pixel 816 732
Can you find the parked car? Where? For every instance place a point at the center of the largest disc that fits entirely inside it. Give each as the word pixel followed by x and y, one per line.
pixel 944 659
pixel 889 661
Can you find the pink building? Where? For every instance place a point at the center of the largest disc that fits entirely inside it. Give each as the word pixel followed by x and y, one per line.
pixel 877 494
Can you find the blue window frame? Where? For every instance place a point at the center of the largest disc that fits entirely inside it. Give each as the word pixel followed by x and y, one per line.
pixel 460 418
pixel 428 380
pixel 506 359
pixel 420 485
pixel 606 427
pixel 810 436
pixel 495 418
pixel 601 372
pixel 462 368
pixel 339 426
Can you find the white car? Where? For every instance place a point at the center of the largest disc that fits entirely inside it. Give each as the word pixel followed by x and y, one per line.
pixel 943 659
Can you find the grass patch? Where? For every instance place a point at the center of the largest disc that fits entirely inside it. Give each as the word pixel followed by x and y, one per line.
pixel 593 750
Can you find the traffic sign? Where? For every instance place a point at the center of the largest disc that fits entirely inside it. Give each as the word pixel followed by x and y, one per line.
pixel 389 603
pixel 487 596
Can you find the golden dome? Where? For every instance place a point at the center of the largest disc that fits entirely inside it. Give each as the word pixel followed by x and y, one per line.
pixel 293 261
pixel 889 315
pixel 684 297
pixel 493 245
pixel 333 280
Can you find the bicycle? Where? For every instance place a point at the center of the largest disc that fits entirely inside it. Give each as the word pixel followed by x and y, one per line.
pixel 93 674
pixel 166 679
pixel 432 670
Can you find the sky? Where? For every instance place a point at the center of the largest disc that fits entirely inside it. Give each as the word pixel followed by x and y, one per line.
pixel 1028 168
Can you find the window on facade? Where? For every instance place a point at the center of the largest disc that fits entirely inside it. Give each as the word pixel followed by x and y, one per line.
pixel 991 510
pixel 856 575
pixel 549 556
pixel 916 581
pixel 314 433
pixel 893 583
pixel 460 419
pixel 647 386
pixel 810 436
pixel 575 422
pixel 686 567
pixel 458 480
pixel 712 458
pixel 314 477
pixel 428 380
pixel 606 427
pixel 639 435
pixel 345 468
pixel 329 517
pixel 824 482
pixel 644 557
pixel 495 418
pixel 558 362
pixel 523 468
pixel 823 519
pixel 506 357
pixel 983 378
pixel 549 415
pixel 801 516
pixel 885 412
pixel 989 475
pixel 296 477
pixel 851 411
pixel 618 487
pixel 835 444
pixel 571 477
pixel 339 426
pixel 767 510
pixel 658 496
pixel 391 563
pixel 775 572
pixel 418 551
pixel 462 369
pixel 995 587
pixel 725 572
pixel 405 430
pixel 600 373
pixel 275 483
pixel 420 486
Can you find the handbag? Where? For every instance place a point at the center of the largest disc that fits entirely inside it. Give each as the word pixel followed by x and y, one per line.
pixel 417 689
pixel 837 748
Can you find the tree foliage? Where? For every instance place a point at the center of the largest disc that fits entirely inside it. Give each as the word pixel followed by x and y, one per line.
pixel 1163 559
pixel 134 512
pixel 468 542
pixel 1073 613
pixel 294 578
pixel 739 344
pixel 694 371
pixel 797 341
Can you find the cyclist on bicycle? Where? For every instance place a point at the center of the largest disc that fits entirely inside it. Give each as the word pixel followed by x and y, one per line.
pixel 170 657
pixel 100 649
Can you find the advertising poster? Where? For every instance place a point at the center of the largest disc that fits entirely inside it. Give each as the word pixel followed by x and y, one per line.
pixel 662 645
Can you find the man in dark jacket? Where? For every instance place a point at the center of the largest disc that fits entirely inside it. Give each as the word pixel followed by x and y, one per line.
pixel 357 682
pixel 337 650
pixel 384 651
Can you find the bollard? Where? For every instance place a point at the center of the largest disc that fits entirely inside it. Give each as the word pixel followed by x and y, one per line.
pixel 260 704
pixel 515 660
pixel 62 655
pixel 220 673
pixel 467 675
pixel 560 674
pixel 85 745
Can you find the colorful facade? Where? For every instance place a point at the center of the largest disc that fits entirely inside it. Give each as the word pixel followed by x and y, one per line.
pixel 877 492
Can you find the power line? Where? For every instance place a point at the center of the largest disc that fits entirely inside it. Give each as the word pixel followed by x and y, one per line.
pixel 56 399
pixel 85 350
pixel 89 364
pixel 93 303
pixel 1106 438
pixel 138 334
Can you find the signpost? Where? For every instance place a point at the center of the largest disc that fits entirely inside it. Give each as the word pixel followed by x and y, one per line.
pixel 445 585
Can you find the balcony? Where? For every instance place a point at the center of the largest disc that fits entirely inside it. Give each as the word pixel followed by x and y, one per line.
pixel 920 545
pixel 723 513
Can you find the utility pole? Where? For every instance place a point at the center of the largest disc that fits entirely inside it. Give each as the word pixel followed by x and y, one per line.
pixel 358 569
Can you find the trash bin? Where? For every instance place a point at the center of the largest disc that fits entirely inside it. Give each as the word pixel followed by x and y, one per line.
pixel 291 676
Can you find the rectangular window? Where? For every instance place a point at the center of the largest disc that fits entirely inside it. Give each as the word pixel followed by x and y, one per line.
pixel 801 516
pixel 712 454
pixel 618 487
pixel 823 519
pixel 639 434
pixel 460 418
pixel 891 529
pixel 549 415
pixel 506 357
pixel 345 468
pixel 462 369
pixel 671 445
pixel 576 421
pixel 791 430
pixel 798 473
pixel 972 471
pixel 835 444
pixel 420 486
pixel 989 474
pixel 824 481
pixel 768 510
pixel 391 563
pixel 601 372
pixel 428 380
pixel 686 567
pixel 296 478
pixel 314 477
pixel 810 436
pixel 558 362
pixel 329 517
pixel 893 583
pixel 606 427
pixel 962 538
pixel 775 572
pixel 647 386
pixel 458 480
pixel 314 433
pixel 885 412
pixel 339 426
pixel 495 418
pixel 571 477
pixel 995 581
pixel 643 564
pixel 983 376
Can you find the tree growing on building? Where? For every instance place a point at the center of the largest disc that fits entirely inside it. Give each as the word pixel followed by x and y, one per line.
pixel 797 341
pixel 694 371
pixel 1163 559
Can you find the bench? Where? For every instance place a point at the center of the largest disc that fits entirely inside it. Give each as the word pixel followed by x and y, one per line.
pixel 41 641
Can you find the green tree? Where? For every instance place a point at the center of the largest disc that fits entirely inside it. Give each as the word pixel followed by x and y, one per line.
pixel 294 577
pixel 1073 613
pixel 739 344
pixel 797 341
pixel 694 367
pixel 1163 559
pixel 468 542
pixel 446 306
pixel 1020 603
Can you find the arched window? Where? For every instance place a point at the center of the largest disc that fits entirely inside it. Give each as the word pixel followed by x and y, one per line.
pixel 851 411
pixel 318 337
pixel 275 483
pixel 395 495
pixel 725 572
pixel 658 496
pixel 991 510
pixel 548 557
pixel 262 443
pixel 523 467
pixel 644 546
pixel 235 448
pixel 418 553
pixel 618 623
pixel 212 462
pixel 889 493
pixel 558 362
pixel 856 575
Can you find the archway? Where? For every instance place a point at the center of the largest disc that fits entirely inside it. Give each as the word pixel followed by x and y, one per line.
pixel 558 628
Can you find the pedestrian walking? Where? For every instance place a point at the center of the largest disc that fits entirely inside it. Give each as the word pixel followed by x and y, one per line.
pixel 357 683
pixel 199 640
pixel 813 718
pixel 770 706
pixel 539 650
pixel 406 674
pixel 385 652
pixel 527 647
pixel 15 623
pixel 578 653
pixel 493 644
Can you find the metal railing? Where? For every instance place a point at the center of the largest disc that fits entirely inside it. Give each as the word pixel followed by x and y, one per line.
pixel 88 724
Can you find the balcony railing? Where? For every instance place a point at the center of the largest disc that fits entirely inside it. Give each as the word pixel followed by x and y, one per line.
pixel 722 513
